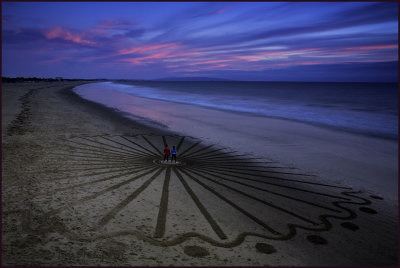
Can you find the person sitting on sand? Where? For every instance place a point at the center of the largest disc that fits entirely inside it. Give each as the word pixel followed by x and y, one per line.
pixel 173 153
pixel 166 152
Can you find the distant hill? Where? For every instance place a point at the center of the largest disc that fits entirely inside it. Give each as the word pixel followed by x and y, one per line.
pixel 191 79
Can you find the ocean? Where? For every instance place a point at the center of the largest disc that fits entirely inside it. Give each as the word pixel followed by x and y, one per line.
pixel 364 108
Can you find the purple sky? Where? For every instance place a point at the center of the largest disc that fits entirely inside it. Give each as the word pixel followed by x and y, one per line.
pixel 271 41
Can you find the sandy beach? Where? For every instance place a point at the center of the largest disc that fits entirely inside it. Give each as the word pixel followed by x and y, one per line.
pixel 84 185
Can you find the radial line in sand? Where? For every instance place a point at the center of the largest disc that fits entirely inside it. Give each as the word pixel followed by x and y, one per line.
pixel 180 144
pixel 115 148
pixel 136 151
pixel 269 204
pixel 152 145
pixel 163 208
pixel 95 195
pixel 241 210
pixel 103 179
pixel 144 148
pixel 127 200
pixel 275 178
pixel 202 209
pixel 275 193
pixel 188 149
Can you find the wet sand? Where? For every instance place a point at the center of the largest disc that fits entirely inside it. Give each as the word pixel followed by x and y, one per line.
pixel 82 185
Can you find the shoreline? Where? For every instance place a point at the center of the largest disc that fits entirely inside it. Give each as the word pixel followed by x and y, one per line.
pixel 331 127
pixel 321 125
pixel 112 114
pixel 80 187
pixel 333 155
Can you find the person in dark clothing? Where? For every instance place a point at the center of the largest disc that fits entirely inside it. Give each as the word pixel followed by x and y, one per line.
pixel 166 152
pixel 173 153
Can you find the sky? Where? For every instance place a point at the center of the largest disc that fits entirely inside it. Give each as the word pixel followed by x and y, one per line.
pixel 250 41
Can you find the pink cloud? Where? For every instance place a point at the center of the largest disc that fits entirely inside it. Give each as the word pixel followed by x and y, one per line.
pixel 181 53
pixel 200 68
pixel 289 64
pixel 145 48
pixel 64 34
pixel 170 52
pixel 275 55
pixel 142 60
pixel 192 61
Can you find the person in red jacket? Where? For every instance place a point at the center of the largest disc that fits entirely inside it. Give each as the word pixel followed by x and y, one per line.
pixel 167 151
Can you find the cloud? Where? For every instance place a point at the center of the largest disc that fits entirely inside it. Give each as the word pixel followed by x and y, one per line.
pixel 373 13
pixel 145 48
pixel 374 47
pixel 347 72
pixel 67 35
pixel 209 37
pixel 293 29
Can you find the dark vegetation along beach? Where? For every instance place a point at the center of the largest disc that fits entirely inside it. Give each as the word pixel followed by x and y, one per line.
pixel 84 184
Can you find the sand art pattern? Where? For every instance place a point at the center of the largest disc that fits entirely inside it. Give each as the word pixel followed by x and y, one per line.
pixel 119 186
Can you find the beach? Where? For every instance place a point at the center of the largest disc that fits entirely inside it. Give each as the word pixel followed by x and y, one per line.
pixel 83 184
pixel 344 157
